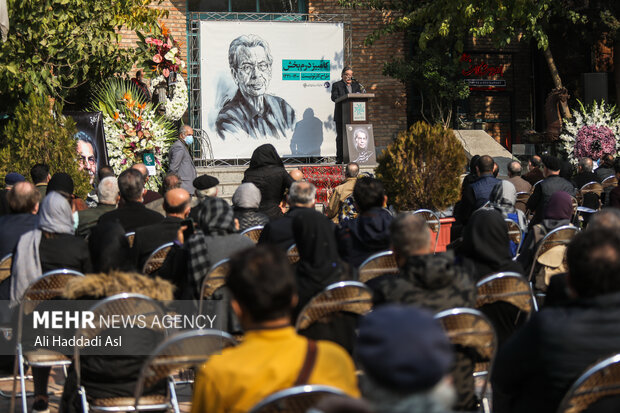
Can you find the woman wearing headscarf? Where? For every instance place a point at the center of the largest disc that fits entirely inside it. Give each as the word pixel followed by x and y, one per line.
pixel 559 212
pixel 502 199
pixel 267 172
pixel 50 246
pixel 246 201
pixel 319 266
pixel 487 245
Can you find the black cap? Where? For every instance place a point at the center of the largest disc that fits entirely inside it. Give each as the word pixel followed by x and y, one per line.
pixel 551 162
pixel 205 182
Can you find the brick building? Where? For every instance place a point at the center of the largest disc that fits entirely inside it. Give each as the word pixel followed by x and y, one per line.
pixel 503 110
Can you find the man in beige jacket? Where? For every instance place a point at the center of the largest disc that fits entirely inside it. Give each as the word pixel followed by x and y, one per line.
pixel 341 192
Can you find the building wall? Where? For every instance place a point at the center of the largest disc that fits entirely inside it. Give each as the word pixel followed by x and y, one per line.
pixel 387 111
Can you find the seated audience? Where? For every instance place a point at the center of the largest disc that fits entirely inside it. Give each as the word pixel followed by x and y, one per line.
pixel 170 181
pixel 552 183
pixel 40 174
pixel 406 358
pixel 23 200
pixel 246 201
pixel 514 177
pixel 132 214
pixel 342 191
pixel 107 199
pixel 477 193
pixel 606 167
pixel 205 186
pixel 267 172
pixel 434 282
pixel 272 356
pixel 63 183
pixel 369 233
pixel 279 232
pixel 536 367
pixel 50 246
pixel 534 173
pixel 558 213
pixel 9 180
pixel 151 237
pixel 148 196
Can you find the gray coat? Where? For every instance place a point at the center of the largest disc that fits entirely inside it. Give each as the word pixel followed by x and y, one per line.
pixel 182 164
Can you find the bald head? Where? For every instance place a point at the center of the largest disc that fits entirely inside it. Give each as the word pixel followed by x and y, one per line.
pixel 296 174
pixel 140 167
pixel 23 198
pixel 176 203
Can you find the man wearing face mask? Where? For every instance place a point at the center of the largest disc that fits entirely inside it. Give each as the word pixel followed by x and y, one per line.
pixel 181 162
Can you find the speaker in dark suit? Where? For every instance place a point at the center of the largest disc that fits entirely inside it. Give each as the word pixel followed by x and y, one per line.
pixel 341 88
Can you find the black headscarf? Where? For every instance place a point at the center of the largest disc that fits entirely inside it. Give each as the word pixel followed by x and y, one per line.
pixel 319 264
pixel 265 155
pixel 109 248
pixel 487 245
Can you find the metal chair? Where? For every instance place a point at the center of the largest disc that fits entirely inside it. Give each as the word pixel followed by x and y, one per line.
pixel 130 237
pixel 610 181
pixel 297 399
pixel 5 267
pixel 49 286
pixel 215 278
pixel 559 236
pixel 510 287
pixel 350 296
pixel 157 258
pixel 472 329
pixel 432 219
pixel 377 265
pixel 124 304
pixel 514 233
pixel 253 233
pixel 293 254
pixel 599 381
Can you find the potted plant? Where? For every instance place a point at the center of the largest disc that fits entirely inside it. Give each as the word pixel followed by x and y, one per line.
pixel 421 169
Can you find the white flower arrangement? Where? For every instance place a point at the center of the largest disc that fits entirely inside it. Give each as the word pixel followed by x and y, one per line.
pixel 593 131
pixel 132 127
pixel 177 104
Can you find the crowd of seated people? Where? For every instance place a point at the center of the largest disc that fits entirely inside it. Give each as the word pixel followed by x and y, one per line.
pixel 407 360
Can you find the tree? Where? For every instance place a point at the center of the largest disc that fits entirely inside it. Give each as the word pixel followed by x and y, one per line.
pixel 55 47
pixel 36 135
pixel 502 21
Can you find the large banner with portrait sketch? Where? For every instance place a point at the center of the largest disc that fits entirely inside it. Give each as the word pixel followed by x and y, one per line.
pixel 269 82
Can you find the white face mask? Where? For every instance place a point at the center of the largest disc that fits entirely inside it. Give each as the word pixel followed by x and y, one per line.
pixel 76 221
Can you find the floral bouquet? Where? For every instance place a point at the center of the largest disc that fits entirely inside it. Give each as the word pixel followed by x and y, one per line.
pixel 593 132
pixel 161 52
pixel 132 127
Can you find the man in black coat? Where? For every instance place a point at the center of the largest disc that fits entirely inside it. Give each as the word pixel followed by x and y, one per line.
pixel 536 367
pixel 341 88
pixel 552 183
pixel 23 199
pixel 133 214
pixel 151 237
pixel 279 232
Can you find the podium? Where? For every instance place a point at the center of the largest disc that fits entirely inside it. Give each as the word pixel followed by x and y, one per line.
pixel 354 112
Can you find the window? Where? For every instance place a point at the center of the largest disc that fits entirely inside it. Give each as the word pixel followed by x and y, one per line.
pixel 249 6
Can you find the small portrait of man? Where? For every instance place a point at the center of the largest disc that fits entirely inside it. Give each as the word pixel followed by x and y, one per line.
pixel 253 112
pixel 87 154
pixel 361 142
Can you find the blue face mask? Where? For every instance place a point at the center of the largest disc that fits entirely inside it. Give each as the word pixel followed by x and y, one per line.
pixel 189 139
pixel 76 221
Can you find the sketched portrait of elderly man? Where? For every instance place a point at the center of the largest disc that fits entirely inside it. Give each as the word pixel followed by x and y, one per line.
pixel 252 111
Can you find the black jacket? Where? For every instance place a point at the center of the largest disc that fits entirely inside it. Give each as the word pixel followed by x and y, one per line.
pixel 536 367
pixel 542 193
pixel 279 232
pixel 151 237
pixel 339 89
pixel 365 235
pixel 132 215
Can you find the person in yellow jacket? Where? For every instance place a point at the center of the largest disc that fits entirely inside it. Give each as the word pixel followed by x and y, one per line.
pixel 272 356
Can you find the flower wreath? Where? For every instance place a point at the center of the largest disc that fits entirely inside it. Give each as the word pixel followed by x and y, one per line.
pixel 593 132
pixel 177 104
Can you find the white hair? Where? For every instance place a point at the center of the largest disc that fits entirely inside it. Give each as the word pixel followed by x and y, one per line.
pixel 107 191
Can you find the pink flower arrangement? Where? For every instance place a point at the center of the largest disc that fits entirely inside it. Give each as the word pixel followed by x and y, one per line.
pixel 161 53
pixel 594 141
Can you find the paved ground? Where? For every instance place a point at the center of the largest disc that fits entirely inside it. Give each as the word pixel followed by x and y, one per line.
pixel 55 387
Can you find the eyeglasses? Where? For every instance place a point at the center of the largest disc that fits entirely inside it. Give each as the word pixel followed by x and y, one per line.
pixel 248 67
pixel 84 160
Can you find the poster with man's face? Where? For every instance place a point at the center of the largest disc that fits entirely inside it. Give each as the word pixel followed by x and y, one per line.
pixel 269 82
pixel 361 144
pixel 90 142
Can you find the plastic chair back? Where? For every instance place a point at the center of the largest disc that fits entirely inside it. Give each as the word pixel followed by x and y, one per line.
pixel 295 399
pixel 157 258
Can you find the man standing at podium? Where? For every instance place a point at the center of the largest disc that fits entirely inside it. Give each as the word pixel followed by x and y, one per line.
pixel 341 88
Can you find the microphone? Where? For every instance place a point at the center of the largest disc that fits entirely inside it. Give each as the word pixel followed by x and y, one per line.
pixel 362 88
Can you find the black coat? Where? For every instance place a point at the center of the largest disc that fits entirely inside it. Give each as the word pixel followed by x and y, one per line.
pixel 279 232
pixel 339 89
pixel 542 193
pixel 536 367
pixel 132 215
pixel 151 237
